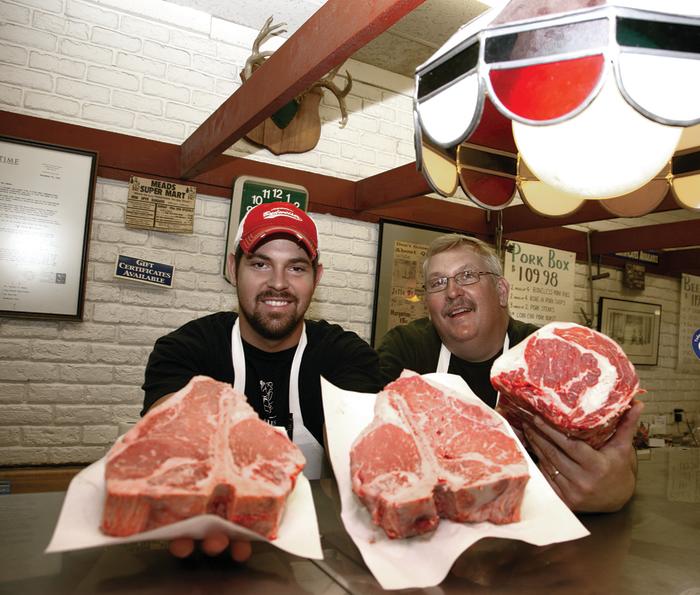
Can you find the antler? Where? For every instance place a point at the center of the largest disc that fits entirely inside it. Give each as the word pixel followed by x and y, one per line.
pixel 257 57
pixel 327 83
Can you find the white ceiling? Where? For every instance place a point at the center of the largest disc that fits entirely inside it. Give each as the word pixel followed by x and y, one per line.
pixel 400 49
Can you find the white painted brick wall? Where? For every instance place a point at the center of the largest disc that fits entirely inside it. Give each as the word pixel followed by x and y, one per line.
pixel 154 69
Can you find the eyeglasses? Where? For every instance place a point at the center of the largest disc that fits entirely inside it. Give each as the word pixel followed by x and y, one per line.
pixel 462 278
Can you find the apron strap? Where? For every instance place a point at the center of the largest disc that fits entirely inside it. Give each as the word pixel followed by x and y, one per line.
pixel 444 360
pixel 312 450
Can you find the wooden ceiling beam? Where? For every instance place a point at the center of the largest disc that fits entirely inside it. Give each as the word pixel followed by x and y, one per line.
pixel 521 218
pixel 683 261
pixel 648 237
pixel 387 187
pixel 440 214
pixel 328 38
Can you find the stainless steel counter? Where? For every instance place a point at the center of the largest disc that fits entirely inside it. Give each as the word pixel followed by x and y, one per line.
pixel 652 546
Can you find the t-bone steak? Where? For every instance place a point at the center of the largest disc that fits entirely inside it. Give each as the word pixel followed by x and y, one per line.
pixel 578 380
pixel 430 453
pixel 203 451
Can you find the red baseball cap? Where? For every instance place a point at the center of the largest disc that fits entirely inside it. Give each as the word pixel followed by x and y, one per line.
pixel 277 218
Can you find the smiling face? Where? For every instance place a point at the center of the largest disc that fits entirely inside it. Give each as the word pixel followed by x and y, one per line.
pixel 274 285
pixel 471 320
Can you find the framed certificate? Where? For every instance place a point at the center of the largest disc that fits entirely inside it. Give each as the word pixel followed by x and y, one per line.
pixel 46 198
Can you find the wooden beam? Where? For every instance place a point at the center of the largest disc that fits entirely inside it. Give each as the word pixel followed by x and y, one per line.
pixel 432 212
pixel 395 184
pixel 560 238
pixel 121 156
pixel 649 237
pixel 328 38
pixel 520 217
pixel 682 261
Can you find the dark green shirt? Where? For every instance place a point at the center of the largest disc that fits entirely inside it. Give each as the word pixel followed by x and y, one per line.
pixel 416 346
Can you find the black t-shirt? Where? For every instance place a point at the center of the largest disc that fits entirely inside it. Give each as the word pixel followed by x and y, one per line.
pixel 203 347
pixel 267 384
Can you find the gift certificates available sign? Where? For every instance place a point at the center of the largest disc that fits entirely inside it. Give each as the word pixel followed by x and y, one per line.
pixel 145 271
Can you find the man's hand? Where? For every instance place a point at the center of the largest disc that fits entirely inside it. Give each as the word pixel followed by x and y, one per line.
pixel 212 545
pixel 588 480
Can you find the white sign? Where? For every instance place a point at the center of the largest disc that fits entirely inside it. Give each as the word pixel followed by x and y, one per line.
pixel 541 283
pixel 689 324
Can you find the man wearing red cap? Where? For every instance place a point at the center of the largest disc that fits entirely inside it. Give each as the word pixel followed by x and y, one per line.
pixel 268 351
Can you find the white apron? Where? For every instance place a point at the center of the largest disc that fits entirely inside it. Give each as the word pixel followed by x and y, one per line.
pixel 312 450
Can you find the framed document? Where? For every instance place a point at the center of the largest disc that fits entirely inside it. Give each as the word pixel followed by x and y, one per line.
pixel 46 197
pixel 399 289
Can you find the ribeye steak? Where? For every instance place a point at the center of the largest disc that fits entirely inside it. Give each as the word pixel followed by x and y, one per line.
pixel 203 451
pixel 577 379
pixel 429 453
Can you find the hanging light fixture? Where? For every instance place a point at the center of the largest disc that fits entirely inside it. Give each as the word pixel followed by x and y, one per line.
pixel 594 95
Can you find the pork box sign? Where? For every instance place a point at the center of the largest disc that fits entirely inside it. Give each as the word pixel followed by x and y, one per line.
pixel 145 271
pixel 541 283
pixel 689 325
pixel 249 192
pixel 160 205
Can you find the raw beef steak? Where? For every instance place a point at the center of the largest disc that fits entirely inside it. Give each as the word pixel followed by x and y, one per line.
pixel 429 453
pixel 575 378
pixel 204 451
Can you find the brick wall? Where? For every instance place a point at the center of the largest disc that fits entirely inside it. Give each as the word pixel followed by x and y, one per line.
pixel 156 70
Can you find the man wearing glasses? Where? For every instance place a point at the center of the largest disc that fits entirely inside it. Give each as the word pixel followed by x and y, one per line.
pixel 467 328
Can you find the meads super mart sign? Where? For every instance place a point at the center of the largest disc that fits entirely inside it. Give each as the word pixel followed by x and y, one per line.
pixel 145 271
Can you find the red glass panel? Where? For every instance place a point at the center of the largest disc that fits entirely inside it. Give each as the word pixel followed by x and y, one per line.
pixel 494 130
pixel 548 91
pixel 487 190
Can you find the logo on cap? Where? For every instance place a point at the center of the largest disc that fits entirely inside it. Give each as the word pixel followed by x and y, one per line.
pixel 281 212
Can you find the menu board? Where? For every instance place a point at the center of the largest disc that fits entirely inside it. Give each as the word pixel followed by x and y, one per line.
pixel 541 283
pixel 689 325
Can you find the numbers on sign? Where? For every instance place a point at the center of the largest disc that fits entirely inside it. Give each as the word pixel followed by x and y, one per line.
pixel 531 275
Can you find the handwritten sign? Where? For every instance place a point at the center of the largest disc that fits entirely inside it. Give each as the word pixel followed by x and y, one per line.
pixel 689 324
pixel 406 302
pixel 159 205
pixel 541 283
pixel 145 271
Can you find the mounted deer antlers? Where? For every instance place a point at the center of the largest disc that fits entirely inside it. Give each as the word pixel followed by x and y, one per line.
pixel 327 83
pixel 296 127
pixel 257 58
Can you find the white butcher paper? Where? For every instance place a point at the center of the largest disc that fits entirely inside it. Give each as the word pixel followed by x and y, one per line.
pixel 78 524
pixel 424 561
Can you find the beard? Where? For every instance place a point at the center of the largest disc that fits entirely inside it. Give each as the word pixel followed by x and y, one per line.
pixel 272 327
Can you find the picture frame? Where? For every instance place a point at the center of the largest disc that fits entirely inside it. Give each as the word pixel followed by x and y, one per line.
pixel 46 201
pixel 398 290
pixel 635 326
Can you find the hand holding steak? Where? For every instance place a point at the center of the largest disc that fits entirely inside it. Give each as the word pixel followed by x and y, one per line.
pixel 576 379
pixel 203 451
pixel 429 454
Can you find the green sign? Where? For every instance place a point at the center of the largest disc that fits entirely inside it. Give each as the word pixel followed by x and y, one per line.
pixel 249 192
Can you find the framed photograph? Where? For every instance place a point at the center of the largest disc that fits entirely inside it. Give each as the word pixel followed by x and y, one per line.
pixel 398 296
pixel 635 326
pixel 46 198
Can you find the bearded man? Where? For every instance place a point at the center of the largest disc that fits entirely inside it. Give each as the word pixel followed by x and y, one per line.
pixel 267 351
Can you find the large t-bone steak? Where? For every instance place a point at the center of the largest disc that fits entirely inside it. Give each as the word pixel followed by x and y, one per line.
pixel 203 451
pixel 578 380
pixel 430 453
